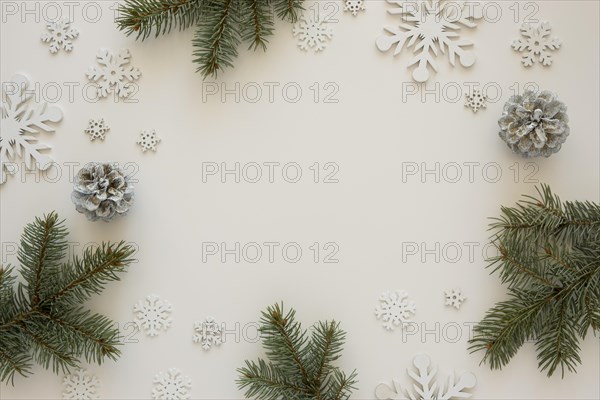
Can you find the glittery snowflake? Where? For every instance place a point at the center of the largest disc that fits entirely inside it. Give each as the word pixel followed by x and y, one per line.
pixel 60 35
pixel 80 386
pixel 475 100
pixel 394 309
pixel 97 129
pixel 114 75
pixel 171 385
pixel 153 315
pixel 426 386
pixel 431 27
pixel 454 298
pixel 536 44
pixel 354 6
pixel 148 140
pixel 18 125
pixel 208 333
pixel 312 32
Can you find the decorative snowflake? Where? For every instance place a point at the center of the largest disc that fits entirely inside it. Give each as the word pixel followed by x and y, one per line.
pixel 81 386
pixel 312 32
pixel 208 333
pixel 431 26
pixel 148 140
pixel 454 298
pixel 97 129
pixel 536 43
pixel 354 6
pixel 152 314
pixel 60 35
pixel 394 309
pixel 17 125
pixel 426 386
pixel 114 75
pixel 171 385
pixel 476 100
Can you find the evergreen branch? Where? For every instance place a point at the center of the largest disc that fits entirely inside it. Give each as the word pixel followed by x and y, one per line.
pixel 256 23
pixel 288 10
pixel 264 381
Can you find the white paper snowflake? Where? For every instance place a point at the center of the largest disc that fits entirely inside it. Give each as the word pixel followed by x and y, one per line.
pixel 97 129
pixel 394 309
pixel 61 35
pixel 19 123
pixel 148 140
pixel 208 333
pixel 153 315
pixel 536 44
pixel 475 100
pixel 425 384
pixel 454 298
pixel 114 75
pixel 312 32
pixel 171 385
pixel 354 6
pixel 431 27
pixel 80 385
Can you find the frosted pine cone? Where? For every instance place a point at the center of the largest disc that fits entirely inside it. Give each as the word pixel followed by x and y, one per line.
pixel 102 190
pixel 533 124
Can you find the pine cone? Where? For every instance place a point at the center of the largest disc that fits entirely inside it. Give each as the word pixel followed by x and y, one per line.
pixel 533 124
pixel 102 190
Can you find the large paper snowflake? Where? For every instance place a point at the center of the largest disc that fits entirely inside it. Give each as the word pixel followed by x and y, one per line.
pixel 454 298
pixel 153 315
pixel 312 32
pixel 60 35
pixel 19 123
pixel 114 75
pixel 394 309
pixel 425 384
pixel 431 26
pixel 536 44
pixel 80 386
pixel 171 385
pixel 208 332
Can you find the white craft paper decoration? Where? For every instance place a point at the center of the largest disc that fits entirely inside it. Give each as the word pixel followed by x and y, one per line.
pixel 153 315
pixel 114 74
pixel 536 44
pixel 80 385
pixel 148 140
pixel 97 129
pixel 394 309
pixel 312 31
pixel 207 333
pixel 475 100
pixel 60 35
pixel 171 385
pixel 454 298
pixel 354 6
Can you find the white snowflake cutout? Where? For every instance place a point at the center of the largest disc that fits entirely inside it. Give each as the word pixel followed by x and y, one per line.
pixel 97 129
pixel 148 140
pixel 426 386
pixel 475 100
pixel 18 125
pixel 312 31
pixel 431 27
pixel 153 315
pixel 354 6
pixel 171 385
pixel 394 309
pixel 454 298
pixel 208 333
pixel 60 35
pixel 80 385
pixel 114 75
pixel 536 44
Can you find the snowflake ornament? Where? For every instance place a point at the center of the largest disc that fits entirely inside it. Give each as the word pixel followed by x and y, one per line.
pixel 536 44
pixel 171 385
pixel 60 35
pixel 431 27
pixel 148 140
pixel 153 315
pixel 97 129
pixel 207 333
pixel 425 384
pixel 454 298
pixel 475 100
pixel 354 6
pixel 113 74
pixel 312 32
pixel 394 309
pixel 80 386
pixel 18 125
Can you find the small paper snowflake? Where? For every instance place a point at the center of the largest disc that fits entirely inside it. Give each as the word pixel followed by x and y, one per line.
pixel 114 75
pixel 153 315
pixel 80 386
pixel 394 309
pixel 208 333
pixel 354 6
pixel 148 140
pixel 454 298
pixel 536 44
pixel 97 129
pixel 171 385
pixel 18 125
pixel 312 32
pixel 60 36
pixel 475 100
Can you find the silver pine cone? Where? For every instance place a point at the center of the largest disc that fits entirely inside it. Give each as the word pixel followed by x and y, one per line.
pixel 534 124
pixel 102 191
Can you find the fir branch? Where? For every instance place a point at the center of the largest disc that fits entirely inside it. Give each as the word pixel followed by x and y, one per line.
pixel 256 23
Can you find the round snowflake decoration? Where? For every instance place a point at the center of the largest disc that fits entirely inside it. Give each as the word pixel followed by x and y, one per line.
pixel 153 315
pixel 80 386
pixel 312 32
pixel 354 6
pixel 536 44
pixel 60 35
pixel 113 74
pixel 475 100
pixel 171 385
pixel 454 298
pixel 97 129
pixel 394 309
pixel 148 140
pixel 208 333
